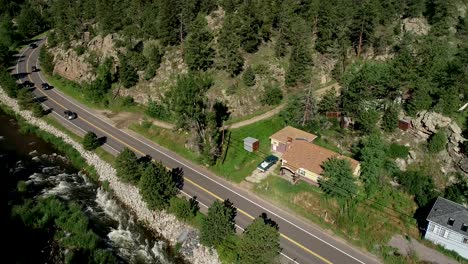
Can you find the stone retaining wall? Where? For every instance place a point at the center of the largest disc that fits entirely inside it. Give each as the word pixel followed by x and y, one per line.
pixel 161 222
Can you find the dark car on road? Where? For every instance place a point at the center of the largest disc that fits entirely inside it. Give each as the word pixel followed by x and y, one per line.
pixel 33 45
pixel 45 86
pixel 33 68
pixel 69 114
pixel 27 84
pixel 267 163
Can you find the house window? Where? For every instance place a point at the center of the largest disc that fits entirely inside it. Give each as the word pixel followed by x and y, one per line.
pixel 436 229
pixel 431 227
pixel 465 240
pixel 450 221
pixel 464 227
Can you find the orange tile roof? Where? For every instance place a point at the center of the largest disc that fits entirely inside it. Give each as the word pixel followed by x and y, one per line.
pixel 301 154
pixel 294 133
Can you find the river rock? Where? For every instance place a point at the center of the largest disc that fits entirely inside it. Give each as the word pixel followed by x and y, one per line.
pixel 33 153
pixel 161 222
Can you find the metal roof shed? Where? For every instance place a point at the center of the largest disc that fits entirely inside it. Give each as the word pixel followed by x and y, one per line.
pixel 251 144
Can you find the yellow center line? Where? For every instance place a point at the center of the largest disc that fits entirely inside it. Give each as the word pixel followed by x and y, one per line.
pixel 185 178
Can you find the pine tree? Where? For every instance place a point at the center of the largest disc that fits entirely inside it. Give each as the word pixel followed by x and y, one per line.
pixel 228 41
pixel 280 46
pixel 329 102
pixel 157 186
pixel 390 118
pixel 249 28
pixel 260 242
pixel 337 180
pixel 218 224
pixel 198 53
pixel 168 22
pixel 300 63
pixel 128 74
pixel 90 141
pixel 127 167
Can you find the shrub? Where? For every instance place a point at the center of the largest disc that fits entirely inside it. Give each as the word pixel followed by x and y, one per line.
pixel 80 50
pixel 37 109
pixel 8 83
pixel 437 142
pixel 418 184
pixel 157 110
pixel 183 209
pixel 390 119
pixel 21 186
pixel 47 61
pixel 249 77
pixel 397 151
pixel 272 95
pixel 90 141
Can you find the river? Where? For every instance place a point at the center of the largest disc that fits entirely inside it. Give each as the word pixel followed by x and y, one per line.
pixel 47 173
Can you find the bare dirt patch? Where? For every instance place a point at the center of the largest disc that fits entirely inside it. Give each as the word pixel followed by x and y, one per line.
pixel 122 119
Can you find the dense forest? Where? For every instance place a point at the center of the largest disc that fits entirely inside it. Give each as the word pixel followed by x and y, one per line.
pixel 389 58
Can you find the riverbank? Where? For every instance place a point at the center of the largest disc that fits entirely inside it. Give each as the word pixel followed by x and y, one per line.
pixel 160 222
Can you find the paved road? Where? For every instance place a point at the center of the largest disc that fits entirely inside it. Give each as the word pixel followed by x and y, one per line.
pixel 301 242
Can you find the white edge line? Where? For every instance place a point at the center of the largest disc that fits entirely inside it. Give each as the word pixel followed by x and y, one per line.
pixel 17 72
pixel 238 226
pixel 220 184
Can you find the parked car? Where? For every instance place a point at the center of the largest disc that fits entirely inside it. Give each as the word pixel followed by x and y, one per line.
pixel 69 114
pixel 45 86
pixel 33 45
pixel 267 163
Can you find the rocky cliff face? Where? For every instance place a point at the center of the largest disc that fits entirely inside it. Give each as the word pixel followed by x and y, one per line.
pixel 79 68
pixel 427 123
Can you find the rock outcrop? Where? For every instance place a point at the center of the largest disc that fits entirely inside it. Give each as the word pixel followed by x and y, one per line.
pixel 427 123
pixel 418 26
pixel 159 221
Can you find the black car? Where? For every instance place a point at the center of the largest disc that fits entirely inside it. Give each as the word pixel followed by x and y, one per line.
pixel 33 45
pixel 34 68
pixel 27 84
pixel 45 86
pixel 69 114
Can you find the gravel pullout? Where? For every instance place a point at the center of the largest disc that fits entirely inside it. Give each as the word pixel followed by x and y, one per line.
pixel 159 221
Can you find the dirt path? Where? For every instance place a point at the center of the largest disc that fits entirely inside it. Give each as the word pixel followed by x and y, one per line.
pixel 254 119
pixel 124 119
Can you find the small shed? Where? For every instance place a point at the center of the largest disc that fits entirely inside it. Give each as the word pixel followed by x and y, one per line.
pixel 404 124
pixel 251 144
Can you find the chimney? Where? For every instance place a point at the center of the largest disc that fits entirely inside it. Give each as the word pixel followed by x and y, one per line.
pixel 289 139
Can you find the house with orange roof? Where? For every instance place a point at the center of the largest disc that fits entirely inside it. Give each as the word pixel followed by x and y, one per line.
pixel 301 159
pixel 282 138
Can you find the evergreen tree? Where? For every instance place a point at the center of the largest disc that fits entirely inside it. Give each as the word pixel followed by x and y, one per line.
pixel 168 22
pixel 437 142
pixel 157 186
pixel 372 156
pixel 30 22
pixel 91 141
pixel 300 63
pixel 127 167
pixel 329 102
pixel 228 42
pixel 390 118
pixel 218 224
pixel 249 77
pixel 363 24
pixel 260 242
pixel 198 53
pixel 37 110
pixel 47 61
pixel 367 120
pixel 249 28
pixel 127 73
pixel 337 180
pixel 280 46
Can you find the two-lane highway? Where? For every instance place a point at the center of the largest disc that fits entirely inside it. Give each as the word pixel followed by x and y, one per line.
pixel 302 242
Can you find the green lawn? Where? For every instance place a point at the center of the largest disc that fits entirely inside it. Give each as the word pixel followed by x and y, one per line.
pixel 75 91
pixel 172 140
pixel 366 225
pixel 237 163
